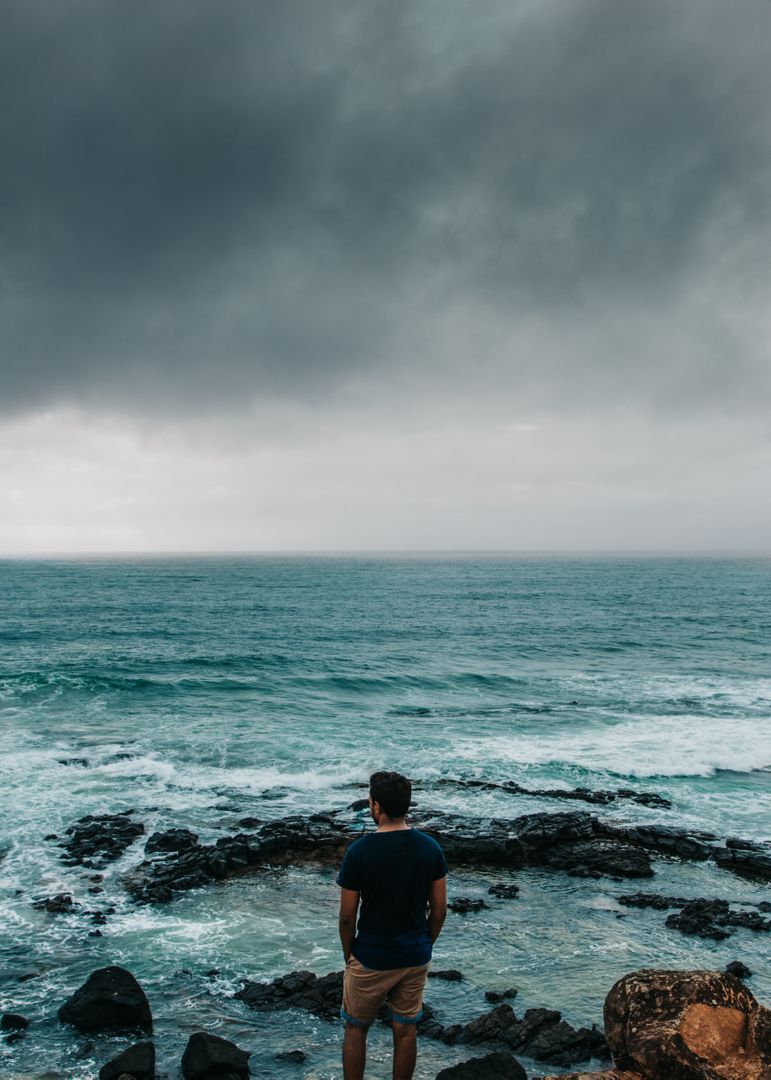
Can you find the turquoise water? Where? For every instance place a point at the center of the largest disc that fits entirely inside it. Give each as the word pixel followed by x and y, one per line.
pixel 199 690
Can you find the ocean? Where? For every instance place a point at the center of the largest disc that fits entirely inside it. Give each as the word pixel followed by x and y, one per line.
pixel 198 690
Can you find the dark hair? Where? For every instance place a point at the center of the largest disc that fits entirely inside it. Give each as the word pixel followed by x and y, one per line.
pixel 393 791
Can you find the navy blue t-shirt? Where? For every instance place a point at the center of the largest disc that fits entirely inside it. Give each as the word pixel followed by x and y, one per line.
pixel 393 872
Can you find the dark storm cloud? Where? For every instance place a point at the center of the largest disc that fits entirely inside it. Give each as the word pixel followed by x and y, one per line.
pixel 201 203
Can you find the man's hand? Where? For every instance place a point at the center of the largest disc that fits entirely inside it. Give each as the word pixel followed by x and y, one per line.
pixel 349 905
pixel 437 903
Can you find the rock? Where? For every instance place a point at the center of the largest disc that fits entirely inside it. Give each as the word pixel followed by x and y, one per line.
pixel 111 998
pixel 750 861
pixel 687 1025
pixel 60 904
pixel 292 1057
pixel 171 840
pixel 463 905
pixel 714 919
pixel 138 1061
pixel 610 1074
pixel 208 1056
pixel 495 997
pixel 737 968
pixel 15 1036
pixel 103 837
pixel 321 996
pixel 13 1022
pixel 447 975
pixel 583 794
pixel 504 891
pixel 498 1066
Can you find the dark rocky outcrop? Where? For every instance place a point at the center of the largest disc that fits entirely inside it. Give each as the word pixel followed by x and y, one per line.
pixel 138 1061
pixel 172 871
pixel 495 997
pixel 541 1033
pixel 448 975
pixel 740 970
pixel 97 839
pixel 13 1022
pixel 110 999
pixel 597 796
pixel 321 996
pixel 497 1066
pixel 292 1057
pixel 462 905
pixel 687 1025
pixel 60 904
pixel 504 891
pixel 750 860
pixel 171 840
pixel 699 917
pixel 208 1057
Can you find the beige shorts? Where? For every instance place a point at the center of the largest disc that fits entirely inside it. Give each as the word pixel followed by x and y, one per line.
pixel 365 990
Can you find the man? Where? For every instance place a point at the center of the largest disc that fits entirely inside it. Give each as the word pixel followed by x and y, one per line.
pixel 397 873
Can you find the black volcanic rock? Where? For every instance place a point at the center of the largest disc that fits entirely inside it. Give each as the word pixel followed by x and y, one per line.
pixel 740 970
pixel 446 975
pixel 13 1022
pixel 597 796
pixel 111 998
pixel 541 1033
pixel 171 840
pixel 61 904
pixel 97 839
pixel 207 1057
pixel 504 891
pixel 714 919
pixel 497 1066
pixel 138 1061
pixel 750 860
pixel 462 905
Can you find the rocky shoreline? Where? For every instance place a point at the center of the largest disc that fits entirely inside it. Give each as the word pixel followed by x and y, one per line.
pixel 575 842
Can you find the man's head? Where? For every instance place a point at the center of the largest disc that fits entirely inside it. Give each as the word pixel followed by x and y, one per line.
pixel 391 792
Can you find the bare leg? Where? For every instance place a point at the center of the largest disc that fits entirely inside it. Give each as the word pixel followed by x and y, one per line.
pixel 354 1052
pixel 405 1050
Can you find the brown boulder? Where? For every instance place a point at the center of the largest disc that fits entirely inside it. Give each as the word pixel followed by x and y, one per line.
pixel 687 1025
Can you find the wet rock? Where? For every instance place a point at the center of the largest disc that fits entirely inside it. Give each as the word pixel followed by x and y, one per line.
pixel 321 996
pixel 495 997
pixel 463 905
pixel 750 860
pixel 292 1057
pixel 664 839
pixel 653 900
pixel 138 1061
pixel 504 891
pixel 61 904
pixel 447 975
pixel 16 1036
pixel 497 1066
pixel 598 796
pixel 171 840
pixel 687 1025
pixel 714 919
pixel 541 1033
pixel 97 839
pixel 207 1057
pixel 13 1022
pixel 740 970
pixel 609 1074
pixel 111 998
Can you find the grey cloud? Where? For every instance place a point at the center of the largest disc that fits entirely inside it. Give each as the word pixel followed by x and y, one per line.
pixel 204 203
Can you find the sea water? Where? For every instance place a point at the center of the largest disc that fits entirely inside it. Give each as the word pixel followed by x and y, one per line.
pixel 196 691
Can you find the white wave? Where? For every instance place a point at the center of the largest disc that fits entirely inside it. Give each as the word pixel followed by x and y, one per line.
pixel 639 746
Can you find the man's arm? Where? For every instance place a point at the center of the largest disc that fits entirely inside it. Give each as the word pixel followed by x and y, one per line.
pixel 437 903
pixel 349 905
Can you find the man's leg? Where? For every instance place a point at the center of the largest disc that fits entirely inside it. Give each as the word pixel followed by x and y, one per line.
pixel 354 1052
pixel 405 1050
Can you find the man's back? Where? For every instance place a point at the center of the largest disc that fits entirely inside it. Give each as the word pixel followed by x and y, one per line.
pixel 393 872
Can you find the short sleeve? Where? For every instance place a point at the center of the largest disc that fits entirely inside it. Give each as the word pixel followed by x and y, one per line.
pixel 348 877
pixel 440 865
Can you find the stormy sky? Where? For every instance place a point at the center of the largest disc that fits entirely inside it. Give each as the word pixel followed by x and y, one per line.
pixel 373 274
